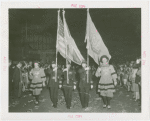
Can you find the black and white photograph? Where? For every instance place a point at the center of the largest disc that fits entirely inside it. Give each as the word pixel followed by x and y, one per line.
pixel 52 69
pixel 75 60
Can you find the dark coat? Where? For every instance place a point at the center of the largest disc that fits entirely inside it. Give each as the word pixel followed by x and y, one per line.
pixel 11 70
pixel 51 74
pixel 17 77
pixel 71 77
pixel 83 78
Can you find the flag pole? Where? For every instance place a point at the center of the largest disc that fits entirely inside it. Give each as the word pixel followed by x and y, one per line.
pixel 66 44
pixel 57 44
pixel 87 48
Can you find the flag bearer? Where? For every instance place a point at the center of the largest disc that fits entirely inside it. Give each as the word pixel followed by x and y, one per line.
pixel 54 83
pixel 69 85
pixel 84 84
pixel 108 76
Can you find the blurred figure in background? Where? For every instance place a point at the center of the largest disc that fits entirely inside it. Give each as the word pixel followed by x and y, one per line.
pixel 17 80
pixel 10 78
pixel 121 76
pixel 135 87
pixel 42 66
pixel 46 69
pixel 125 76
pixel 25 76
pixel 138 78
pixel 118 75
pixel 129 77
pixel 30 67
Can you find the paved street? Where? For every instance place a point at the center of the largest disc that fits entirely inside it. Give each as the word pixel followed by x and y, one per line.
pixel 122 102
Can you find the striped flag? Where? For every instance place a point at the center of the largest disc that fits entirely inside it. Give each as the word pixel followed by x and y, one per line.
pixel 72 50
pixel 61 43
pixel 95 45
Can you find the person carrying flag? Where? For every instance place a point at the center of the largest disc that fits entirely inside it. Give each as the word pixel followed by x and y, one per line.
pixel 107 81
pixel 68 85
pixel 85 85
pixel 54 83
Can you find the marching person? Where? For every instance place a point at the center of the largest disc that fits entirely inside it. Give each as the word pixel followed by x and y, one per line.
pixel 17 80
pixel 85 85
pixel 36 75
pixel 69 85
pixel 106 85
pixel 54 84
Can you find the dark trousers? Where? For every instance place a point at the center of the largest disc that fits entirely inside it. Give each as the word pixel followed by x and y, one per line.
pixel 10 88
pixel 17 90
pixel 121 80
pixel 54 95
pixel 68 95
pixel 84 96
pixel 140 91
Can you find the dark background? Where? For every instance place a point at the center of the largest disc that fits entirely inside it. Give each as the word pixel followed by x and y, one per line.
pixel 120 29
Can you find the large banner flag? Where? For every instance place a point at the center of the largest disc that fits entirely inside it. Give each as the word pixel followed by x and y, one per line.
pixel 61 44
pixel 72 50
pixel 95 45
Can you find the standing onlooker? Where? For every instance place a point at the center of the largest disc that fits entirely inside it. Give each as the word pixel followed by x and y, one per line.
pixel 130 77
pixel 125 77
pixel 138 80
pixel 17 80
pixel 25 76
pixel 118 75
pixel 46 70
pixel 44 77
pixel 121 76
pixel 135 87
pixel 30 67
pixel 36 75
pixel 10 78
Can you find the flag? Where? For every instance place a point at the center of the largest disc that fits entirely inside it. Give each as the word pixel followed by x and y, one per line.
pixel 61 43
pixel 95 45
pixel 72 50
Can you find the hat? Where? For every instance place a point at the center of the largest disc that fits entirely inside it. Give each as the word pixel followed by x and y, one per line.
pixel 53 62
pixel 103 56
pixel 84 62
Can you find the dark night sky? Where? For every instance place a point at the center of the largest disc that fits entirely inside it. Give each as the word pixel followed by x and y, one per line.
pixel 119 28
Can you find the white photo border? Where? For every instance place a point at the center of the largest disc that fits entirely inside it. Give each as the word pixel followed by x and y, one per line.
pixel 145 112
